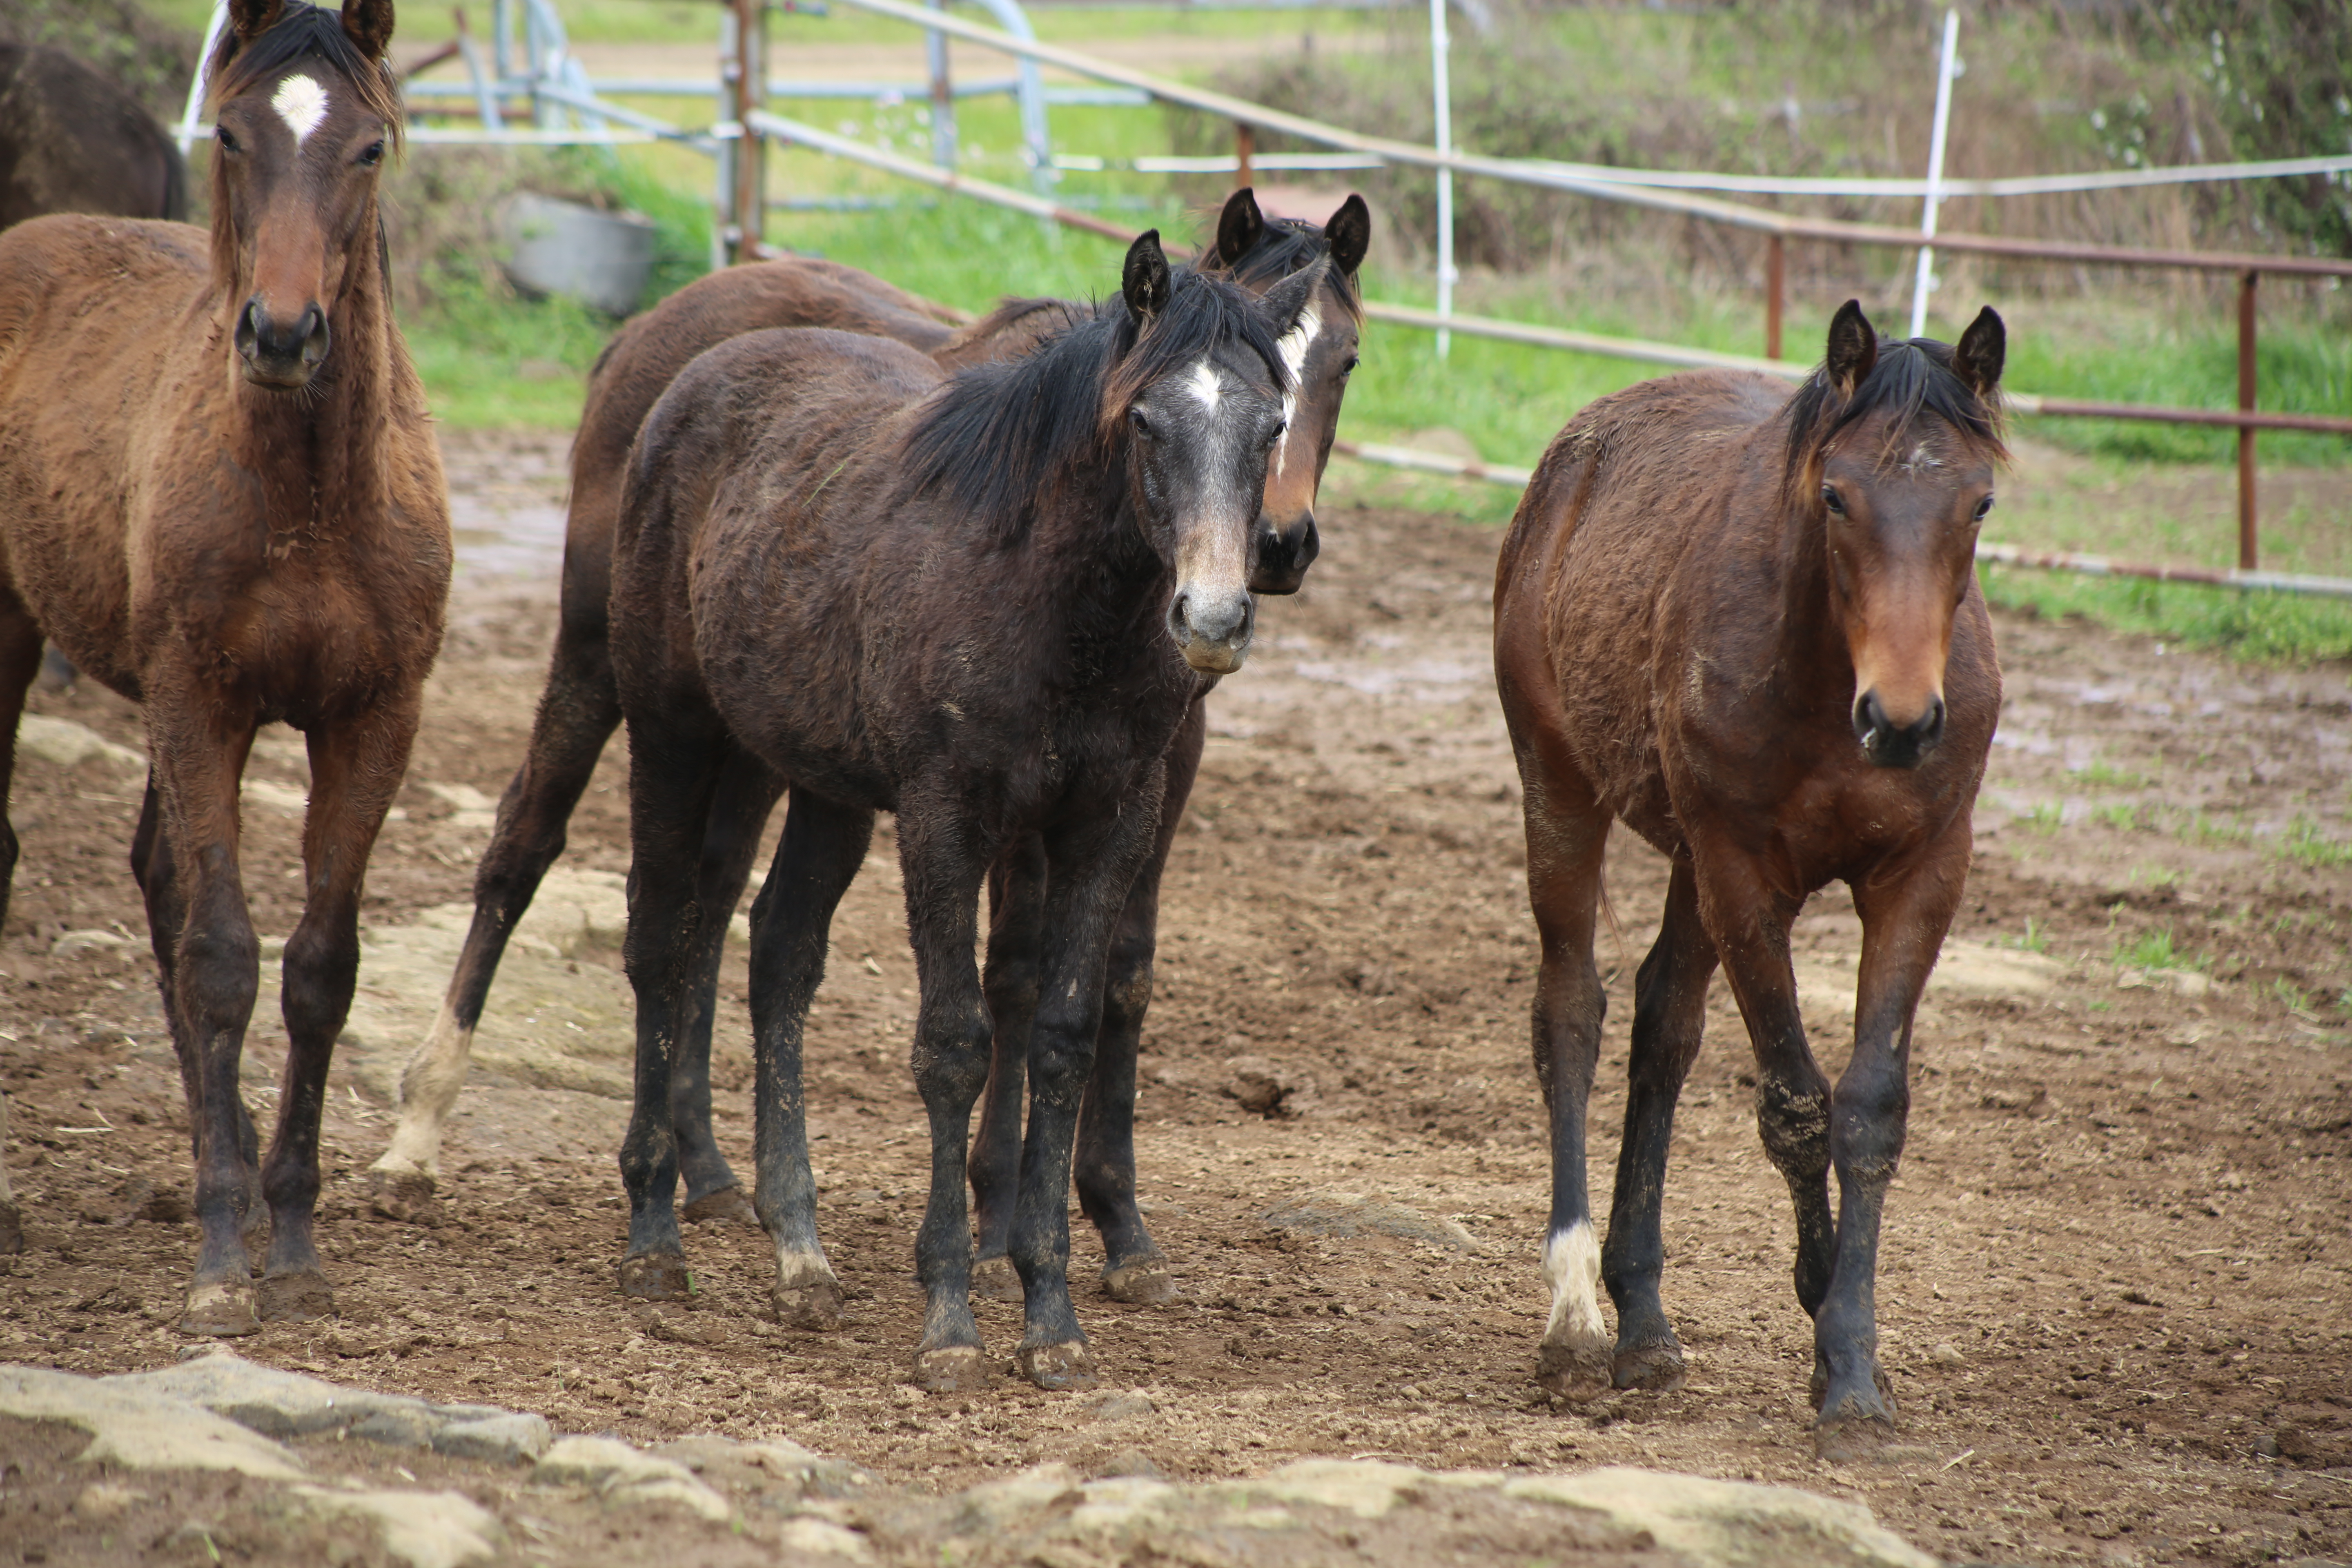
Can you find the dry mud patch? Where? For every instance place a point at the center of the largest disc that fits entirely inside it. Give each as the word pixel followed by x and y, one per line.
pixel 2116 1270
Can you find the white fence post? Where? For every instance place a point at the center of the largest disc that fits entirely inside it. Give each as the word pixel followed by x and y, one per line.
pixel 1944 74
pixel 1442 99
pixel 195 111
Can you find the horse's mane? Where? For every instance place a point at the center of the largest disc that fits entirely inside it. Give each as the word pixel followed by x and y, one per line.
pixel 997 439
pixel 1285 246
pixel 302 30
pixel 1912 376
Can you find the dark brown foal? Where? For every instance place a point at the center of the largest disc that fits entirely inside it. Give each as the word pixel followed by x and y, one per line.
pixel 1747 625
pixel 220 495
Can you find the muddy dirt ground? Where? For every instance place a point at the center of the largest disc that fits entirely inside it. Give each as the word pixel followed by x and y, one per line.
pixel 2117 1271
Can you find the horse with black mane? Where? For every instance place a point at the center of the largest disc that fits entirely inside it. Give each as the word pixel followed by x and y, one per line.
pixel 985 604
pixel 1748 624
pixel 220 495
pixel 579 710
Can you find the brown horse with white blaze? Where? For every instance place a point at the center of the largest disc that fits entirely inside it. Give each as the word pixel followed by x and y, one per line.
pixel 220 496
pixel 1746 623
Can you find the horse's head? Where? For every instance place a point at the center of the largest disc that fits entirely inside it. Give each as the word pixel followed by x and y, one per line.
pixel 1197 403
pixel 304 109
pixel 1896 443
pixel 1319 351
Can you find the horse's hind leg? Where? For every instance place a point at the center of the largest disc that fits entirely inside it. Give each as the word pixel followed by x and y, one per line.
pixel 356 767
pixel 747 790
pixel 823 845
pixel 1669 1016
pixel 577 714
pixel 1134 1268
pixel 674 776
pixel 17 633
pixel 1016 933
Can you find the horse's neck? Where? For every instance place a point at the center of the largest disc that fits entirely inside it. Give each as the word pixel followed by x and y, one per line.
pixel 1095 561
pixel 322 454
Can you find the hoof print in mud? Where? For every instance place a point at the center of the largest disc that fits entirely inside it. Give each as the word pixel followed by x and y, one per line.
pixel 656 1276
pixel 812 1308
pixel 1146 1282
pixel 303 1298
pixel 406 1196
pixel 958 1369
pixel 220 1311
pixel 725 1204
pixel 995 1279
pixel 1577 1375
pixel 1058 1367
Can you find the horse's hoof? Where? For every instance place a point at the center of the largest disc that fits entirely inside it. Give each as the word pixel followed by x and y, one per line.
pixel 221 1311
pixel 1146 1282
pixel 655 1277
pixel 403 1195
pixel 995 1279
pixel 956 1369
pixel 1854 1440
pixel 299 1298
pixel 1057 1368
pixel 1657 1367
pixel 1578 1374
pixel 815 1306
pixel 12 1231
pixel 728 1203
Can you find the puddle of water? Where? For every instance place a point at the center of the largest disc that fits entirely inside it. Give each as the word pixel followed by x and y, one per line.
pixel 504 546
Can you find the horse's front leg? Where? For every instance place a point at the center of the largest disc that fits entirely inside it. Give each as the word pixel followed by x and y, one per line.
pixel 356 766
pixel 823 845
pixel 1134 1269
pixel 1016 936
pixel 194 892
pixel 1750 921
pixel 1091 864
pixel 1905 910
pixel 943 859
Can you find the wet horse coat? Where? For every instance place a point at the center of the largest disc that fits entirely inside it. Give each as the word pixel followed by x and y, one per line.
pixel 220 496
pixel 1747 626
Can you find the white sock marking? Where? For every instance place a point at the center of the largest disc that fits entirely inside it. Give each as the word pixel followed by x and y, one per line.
pixel 1294 346
pixel 1206 384
pixel 1572 1269
pixel 301 102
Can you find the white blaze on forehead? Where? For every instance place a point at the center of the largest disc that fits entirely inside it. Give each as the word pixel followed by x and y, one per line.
pixel 1206 384
pixel 1293 348
pixel 301 102
pixel 1572 1269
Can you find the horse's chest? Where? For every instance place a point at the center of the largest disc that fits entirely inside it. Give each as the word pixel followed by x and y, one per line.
pixel 295 635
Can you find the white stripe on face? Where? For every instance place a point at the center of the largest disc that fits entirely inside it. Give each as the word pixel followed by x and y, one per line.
pixel 301 102
pixel 1294 346
pixel 1206 384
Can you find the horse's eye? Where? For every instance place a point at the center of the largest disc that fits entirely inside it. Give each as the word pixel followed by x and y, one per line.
pixel 371 155
pixel 227 141
pixel 1832 499
pixel 1983 507
pixel 1275 434
pixel 1349 368
pixel 1142 426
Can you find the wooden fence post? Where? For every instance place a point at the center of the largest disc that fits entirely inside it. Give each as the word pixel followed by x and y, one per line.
pixel 1244 151
pixel 2247 553
pixel 1775 274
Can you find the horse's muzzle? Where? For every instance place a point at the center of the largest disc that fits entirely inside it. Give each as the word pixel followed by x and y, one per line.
pixel 1891 745
pixel 1212 629
pixel 283 355
pixel 1282 556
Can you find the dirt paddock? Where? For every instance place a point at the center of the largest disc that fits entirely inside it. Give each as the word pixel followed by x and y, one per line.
pixel 2117 1272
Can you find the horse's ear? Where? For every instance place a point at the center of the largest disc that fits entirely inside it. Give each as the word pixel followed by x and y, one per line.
pixel 369 22
pixel 1349 233
pixel 1144 281
pixel 1982 350
pixel 1853 347
pixel 1239 228
pixel 251 18
pixel 1287 300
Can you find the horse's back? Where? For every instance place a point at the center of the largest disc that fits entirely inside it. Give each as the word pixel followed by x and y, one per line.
pixel 73 141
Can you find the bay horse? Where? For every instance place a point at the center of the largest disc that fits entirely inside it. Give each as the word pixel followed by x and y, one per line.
pixel 72 139
pixel 220 495
pixel 579 710
pixel 984 603
pixel 1746 623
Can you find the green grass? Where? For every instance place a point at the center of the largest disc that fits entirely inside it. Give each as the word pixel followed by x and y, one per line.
pixel 2155 949
pixel 2036 936
pixel 2273 627
pixel 2305 844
